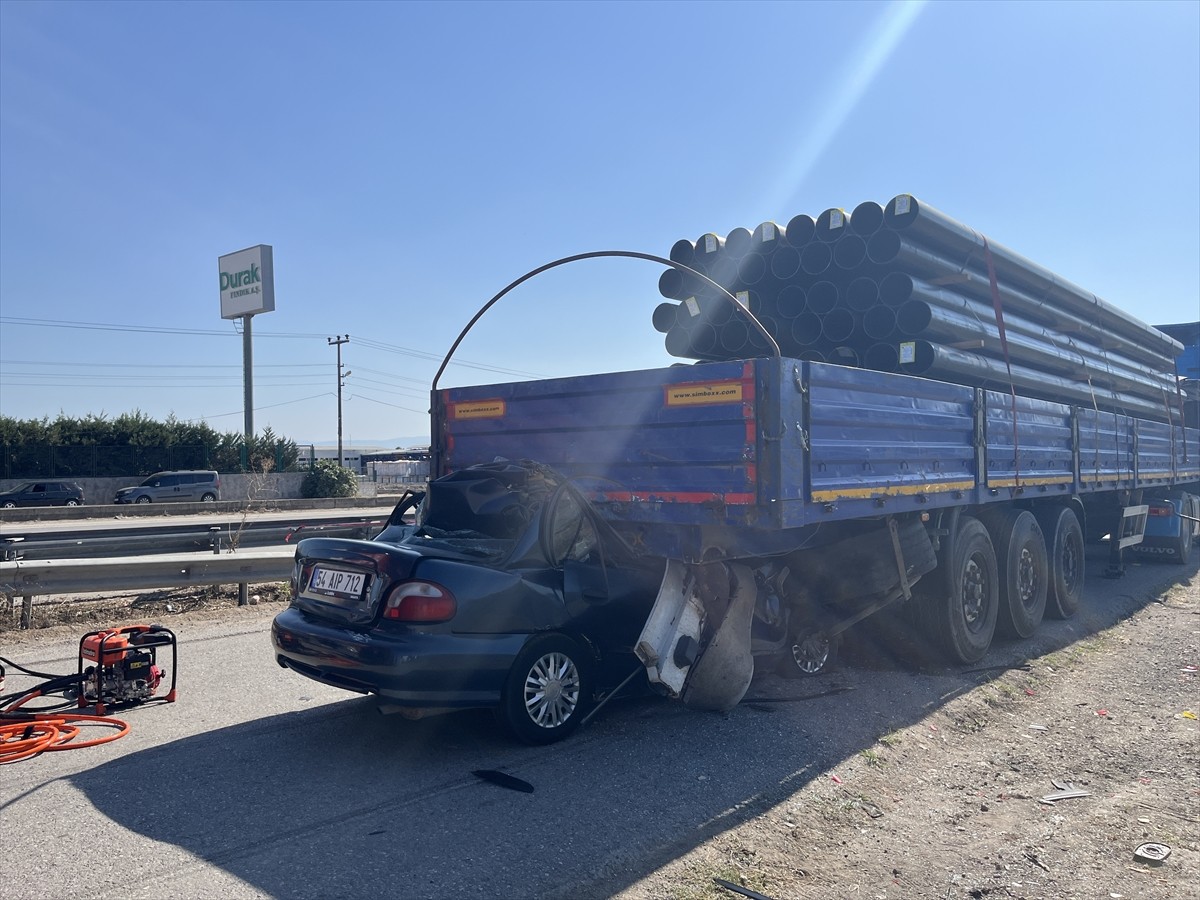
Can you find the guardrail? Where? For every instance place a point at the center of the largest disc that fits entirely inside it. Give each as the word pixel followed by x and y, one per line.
pixel 162 510
pixel 32 578
pixel 122 540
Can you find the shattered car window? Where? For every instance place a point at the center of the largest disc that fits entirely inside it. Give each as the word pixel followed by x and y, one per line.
pixel 481 511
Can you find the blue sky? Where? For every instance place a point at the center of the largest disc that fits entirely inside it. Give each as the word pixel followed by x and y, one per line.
pixel 407 160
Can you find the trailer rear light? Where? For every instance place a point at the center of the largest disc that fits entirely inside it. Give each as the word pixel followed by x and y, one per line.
pixel 1165 509
pixel 420 601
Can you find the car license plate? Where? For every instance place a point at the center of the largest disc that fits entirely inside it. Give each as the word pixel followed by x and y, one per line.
pixel 336 583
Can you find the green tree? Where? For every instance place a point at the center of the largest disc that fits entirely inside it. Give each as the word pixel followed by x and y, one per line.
pixel 327 479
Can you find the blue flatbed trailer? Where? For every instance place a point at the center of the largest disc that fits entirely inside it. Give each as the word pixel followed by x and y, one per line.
pixel 787 472
pixel 772 445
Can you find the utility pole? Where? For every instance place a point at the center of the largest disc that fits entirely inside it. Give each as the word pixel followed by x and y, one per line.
pixel 337 342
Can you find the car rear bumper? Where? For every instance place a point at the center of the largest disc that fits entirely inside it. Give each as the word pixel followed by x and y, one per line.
pixel 410 668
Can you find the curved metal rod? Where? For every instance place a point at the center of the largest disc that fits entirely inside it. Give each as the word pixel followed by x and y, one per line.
pixel 596 254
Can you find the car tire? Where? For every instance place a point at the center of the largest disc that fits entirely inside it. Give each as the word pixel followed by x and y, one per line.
pixel 142 499
pixel 208 498
pixel 72 502
pixel 548 690
pixel 8 504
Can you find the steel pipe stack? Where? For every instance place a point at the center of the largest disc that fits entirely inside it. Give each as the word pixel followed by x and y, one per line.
pixel 905 288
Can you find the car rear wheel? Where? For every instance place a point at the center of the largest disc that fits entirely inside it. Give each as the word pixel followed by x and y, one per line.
pixel 208 498
pixel 548 691
pixel 142 499
pixel 812 652
pixel 72 502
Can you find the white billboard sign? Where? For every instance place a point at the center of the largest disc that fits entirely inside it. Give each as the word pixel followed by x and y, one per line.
pixel 247 282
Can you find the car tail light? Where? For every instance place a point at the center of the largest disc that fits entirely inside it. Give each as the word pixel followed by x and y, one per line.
pixel 1164 509
pixel 420 601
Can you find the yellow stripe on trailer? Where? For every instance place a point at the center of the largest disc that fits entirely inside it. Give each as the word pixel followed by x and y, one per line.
pixel 898 491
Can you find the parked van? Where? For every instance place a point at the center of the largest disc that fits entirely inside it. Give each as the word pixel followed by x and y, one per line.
pixel 174 487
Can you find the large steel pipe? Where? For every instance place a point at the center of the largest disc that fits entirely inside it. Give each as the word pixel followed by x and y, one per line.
pixel 861 294
pixel 738 242
pixel 849 252
pixel 815 258
pixel 752 268
pixel 800 230
pixel 897 286
pixel 831 225
pixel 879 323
pixel 683 251
pixel 806 329
pixel 888 248
pixel 791 301
pixel 665 315
pixel 965 247
pixel 838 325
pixel 823 297
pixel 917 318
pixel 767 236
pixel 785 262
pixel 937 361
pixel 882 358
pixel 866 219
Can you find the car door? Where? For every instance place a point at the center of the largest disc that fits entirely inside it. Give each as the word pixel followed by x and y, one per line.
pixel 166 489
pixel 608 602
pixel 187 491
pixel 36 496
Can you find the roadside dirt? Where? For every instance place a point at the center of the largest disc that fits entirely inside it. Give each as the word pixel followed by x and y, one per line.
pixel 72 615
pixel 950 806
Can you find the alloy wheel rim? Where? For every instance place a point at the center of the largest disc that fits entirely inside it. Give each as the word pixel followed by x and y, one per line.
pixel 811 654
pixel 552 690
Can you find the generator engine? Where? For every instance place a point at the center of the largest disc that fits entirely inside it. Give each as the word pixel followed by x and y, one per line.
pixel 119 666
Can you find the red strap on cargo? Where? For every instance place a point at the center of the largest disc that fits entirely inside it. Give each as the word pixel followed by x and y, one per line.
pixel 999 308
pixel 1182 423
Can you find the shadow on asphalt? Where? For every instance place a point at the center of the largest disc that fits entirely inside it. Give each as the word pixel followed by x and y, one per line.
pixel 339 801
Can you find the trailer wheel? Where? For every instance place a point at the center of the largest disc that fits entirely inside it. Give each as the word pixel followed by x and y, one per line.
pixel 957 603
pixel 1064 540
pixel 1023 568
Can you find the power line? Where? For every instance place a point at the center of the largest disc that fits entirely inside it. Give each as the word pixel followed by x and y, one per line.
pixel 382 403
pixel 239 412
pixel 139 365
pixel 209 332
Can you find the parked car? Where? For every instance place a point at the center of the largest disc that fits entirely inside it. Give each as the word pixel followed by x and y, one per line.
pixel 507 592
pixel 200 486
pixel 43 493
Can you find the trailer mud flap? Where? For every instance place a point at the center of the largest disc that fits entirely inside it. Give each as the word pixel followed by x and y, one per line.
pixel 696 641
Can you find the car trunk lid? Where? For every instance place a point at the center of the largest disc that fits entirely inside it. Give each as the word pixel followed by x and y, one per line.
pixel 345 581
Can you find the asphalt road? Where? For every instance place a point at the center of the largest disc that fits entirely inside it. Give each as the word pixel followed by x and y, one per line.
pixel 260 783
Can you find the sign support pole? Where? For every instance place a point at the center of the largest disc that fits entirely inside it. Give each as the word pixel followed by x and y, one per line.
pixel 248 381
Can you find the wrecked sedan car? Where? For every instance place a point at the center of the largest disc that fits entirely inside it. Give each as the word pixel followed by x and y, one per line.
pixel 508 592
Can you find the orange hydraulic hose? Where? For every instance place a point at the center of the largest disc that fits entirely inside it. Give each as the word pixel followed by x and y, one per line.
pixel 34 733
